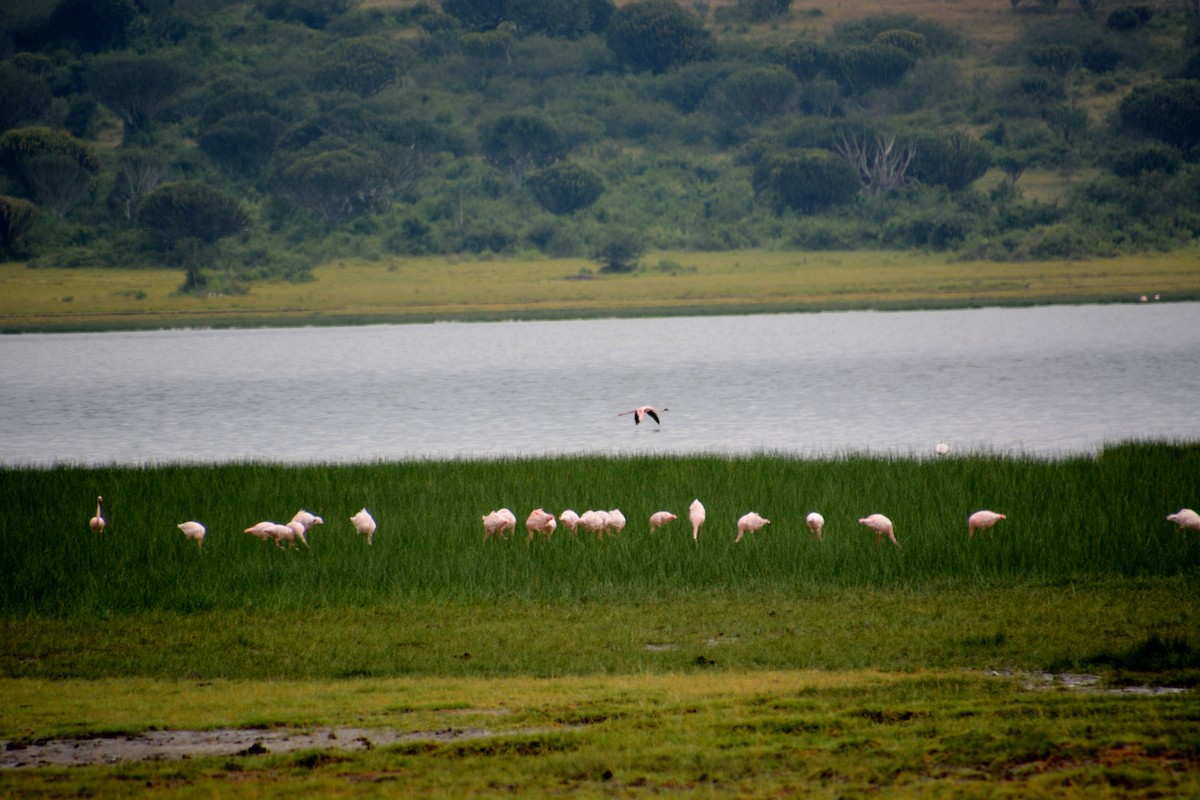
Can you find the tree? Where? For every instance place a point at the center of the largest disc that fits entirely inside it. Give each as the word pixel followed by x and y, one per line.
pixel 955 161
pixel 656 35
pixel 517 143
pixel 16 218
pixel 243 142
pixel 872 66
pixel 136 88
pixel 618 251
pixel 29 155
pixel 336 185
pixel 565 188
pixel 58 181
pixel 23 97
pixel 881 168
pixel 1168 111
pixel 810 181
pixel 760 93
pixel 804 59
pixel 364 65
pixel 139 172
pixel 93 25
pixel 187 219
pixel 476 15
pixel 566 18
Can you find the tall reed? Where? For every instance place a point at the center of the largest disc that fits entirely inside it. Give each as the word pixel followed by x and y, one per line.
pixel 1068 519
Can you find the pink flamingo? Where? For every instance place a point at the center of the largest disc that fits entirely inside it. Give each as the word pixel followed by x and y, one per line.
pixel 644 411
pixel 982 521
pixel 881 525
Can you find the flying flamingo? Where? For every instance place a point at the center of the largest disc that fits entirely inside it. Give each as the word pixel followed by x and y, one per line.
pixel 982 521
pixel 97 522
pixel 193 530
pixel 1185 518
pixel 749 523
pixel 816 523
pixel 644 411
pixel 696 515
pixel 364 523
pixel 660 518
pixel 881 525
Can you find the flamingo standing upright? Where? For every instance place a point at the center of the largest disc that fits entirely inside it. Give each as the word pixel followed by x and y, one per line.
pixel 696 515
pixel 816 523
pixel 644 411
pixel 364 523
pixel 97 522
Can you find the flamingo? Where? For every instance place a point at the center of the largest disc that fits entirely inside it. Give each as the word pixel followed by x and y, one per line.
pixel 262 531
pixel 542 522
pixel 307 520
pixel 696 515
pixel 816 523
pixel 569 519
pixel 644 411
pixel 982 521
pixel 594 521
pixel 616 521
pixel 661 518
pixel 881 525
pixel 281 533
pixel 1185 518
pixel 97 522
pixel 193 530
pixel 749 523
pixel 942 449
pixel 364 523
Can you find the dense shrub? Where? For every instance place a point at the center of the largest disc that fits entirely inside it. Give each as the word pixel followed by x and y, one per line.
pixel 806 180
pixel 1129 18
pixel 564 188
pixel 655 35
pixel 955 161
pixel 864 67
pixel 1168 110
pixel 1133 161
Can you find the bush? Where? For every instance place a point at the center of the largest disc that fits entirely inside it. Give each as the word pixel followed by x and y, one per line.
pixel 565 188
pixel 806 180
pixel 656 35
pixel 1167 110
pixel 1128 18
pixel 1135 161
pixel 872 66
pixel 954 161
pixel 618 251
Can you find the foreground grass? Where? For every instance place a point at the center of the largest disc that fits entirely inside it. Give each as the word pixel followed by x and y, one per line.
pixel 717 734
pixel 426 289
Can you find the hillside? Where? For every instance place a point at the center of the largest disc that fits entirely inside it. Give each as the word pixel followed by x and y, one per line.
pixel 242 141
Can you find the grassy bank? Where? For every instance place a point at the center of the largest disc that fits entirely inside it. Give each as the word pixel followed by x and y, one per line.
pixel 428 289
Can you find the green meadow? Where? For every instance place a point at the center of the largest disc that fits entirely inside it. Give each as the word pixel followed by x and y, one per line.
pixel 356 291
pixel 627 666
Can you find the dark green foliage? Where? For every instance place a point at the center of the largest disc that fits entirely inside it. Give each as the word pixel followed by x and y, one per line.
pixel 564 188
pixel 24 98
pixel 760 93
pixel 1100 57
pixel 938 39
pixel 16 218
pixel 312 13
pixel 1068 122
pixel 1058 58
pixel 805 59
pixel 618 250
pixel 29 155
pixel 92 25
pixel 656 35
pixel 136 88
pixel 910 42
pixel 810 181
pixel 338 184
pixel 364 65
pixel 566 18
pixel 517 143
pixel 864 67
pixel 190 210
pixel 760 10
pixel 955 161
pixel 1129 18
pixel 243 142
pixel 1167 110
pixel 476 15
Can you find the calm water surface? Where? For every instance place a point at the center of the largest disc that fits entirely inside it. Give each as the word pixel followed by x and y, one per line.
pixel 1048 381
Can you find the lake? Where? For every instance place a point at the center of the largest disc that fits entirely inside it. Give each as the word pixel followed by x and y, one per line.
pixel 1048 381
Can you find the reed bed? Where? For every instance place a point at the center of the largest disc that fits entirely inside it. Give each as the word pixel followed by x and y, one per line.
pixel 1077 518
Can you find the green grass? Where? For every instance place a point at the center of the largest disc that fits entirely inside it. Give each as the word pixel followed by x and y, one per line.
pixel 631 666
pixel 426 289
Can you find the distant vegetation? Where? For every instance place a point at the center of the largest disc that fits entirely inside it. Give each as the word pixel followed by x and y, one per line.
pixel 238 141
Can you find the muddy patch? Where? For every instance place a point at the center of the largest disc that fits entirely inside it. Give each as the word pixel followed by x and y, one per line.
pixel 1080 682
pixel 229 742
